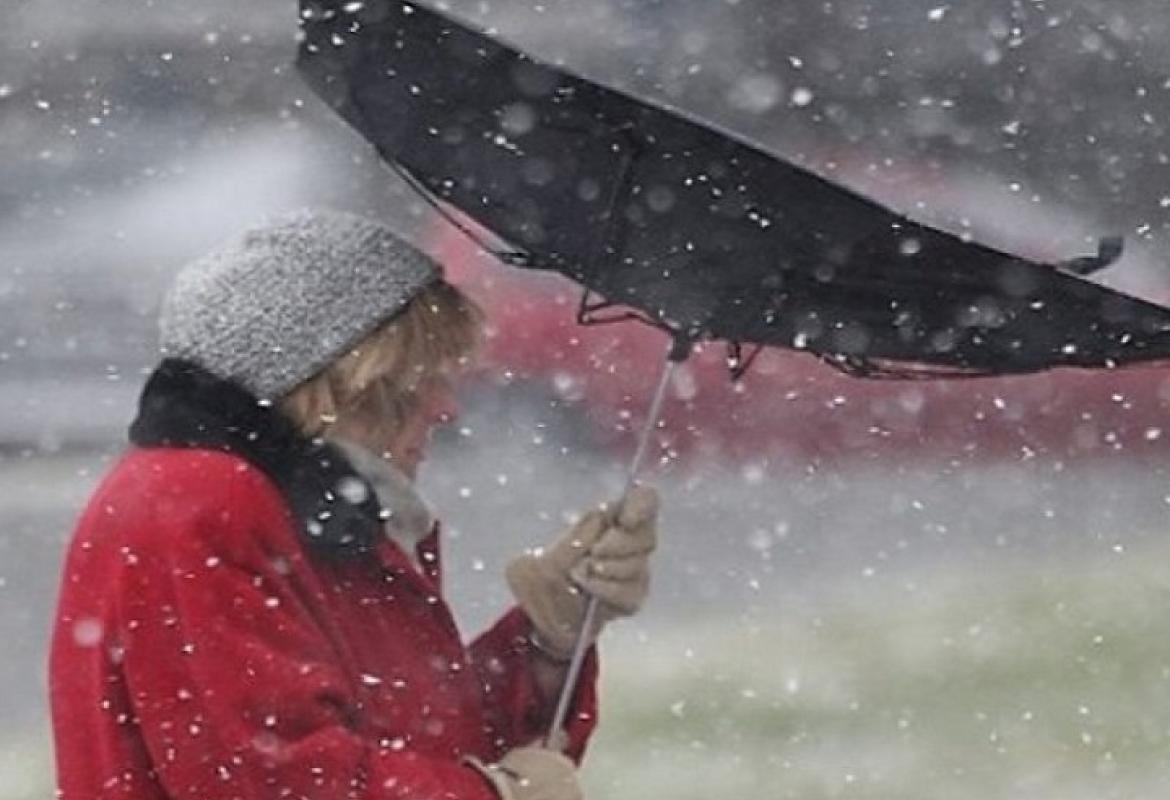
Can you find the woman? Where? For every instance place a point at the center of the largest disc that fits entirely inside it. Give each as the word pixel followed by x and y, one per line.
pixel 251 604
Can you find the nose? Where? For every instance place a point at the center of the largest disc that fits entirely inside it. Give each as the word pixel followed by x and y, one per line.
pixel 445 407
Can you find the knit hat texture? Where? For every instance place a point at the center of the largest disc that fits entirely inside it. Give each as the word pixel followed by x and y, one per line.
pixel 280 304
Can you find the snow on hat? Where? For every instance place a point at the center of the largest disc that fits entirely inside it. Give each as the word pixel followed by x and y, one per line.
pixel 280 304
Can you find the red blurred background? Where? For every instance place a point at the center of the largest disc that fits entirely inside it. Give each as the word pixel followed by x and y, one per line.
pixel 790 406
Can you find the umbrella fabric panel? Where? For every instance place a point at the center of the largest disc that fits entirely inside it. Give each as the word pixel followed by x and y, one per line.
pixel 451 107
pixel 706 234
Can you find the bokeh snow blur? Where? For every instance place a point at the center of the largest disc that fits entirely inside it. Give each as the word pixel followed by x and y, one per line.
pixel 975 612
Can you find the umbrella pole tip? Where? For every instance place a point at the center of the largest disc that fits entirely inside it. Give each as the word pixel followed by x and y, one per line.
pixel 680 348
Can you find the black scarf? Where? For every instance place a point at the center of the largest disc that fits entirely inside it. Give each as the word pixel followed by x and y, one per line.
pixel 184 405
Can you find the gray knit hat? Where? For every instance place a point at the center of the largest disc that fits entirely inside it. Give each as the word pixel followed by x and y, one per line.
pixel 280 304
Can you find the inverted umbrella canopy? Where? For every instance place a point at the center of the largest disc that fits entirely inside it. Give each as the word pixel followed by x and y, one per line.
pixel 692 228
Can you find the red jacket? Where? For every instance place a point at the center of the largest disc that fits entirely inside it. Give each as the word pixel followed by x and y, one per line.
pixel 204 650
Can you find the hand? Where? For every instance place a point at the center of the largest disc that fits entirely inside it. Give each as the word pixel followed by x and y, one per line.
pixel 606 555
pixel 532 773
pixel 617 568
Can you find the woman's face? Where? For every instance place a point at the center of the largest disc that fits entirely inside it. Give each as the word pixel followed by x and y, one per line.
pixel 405 445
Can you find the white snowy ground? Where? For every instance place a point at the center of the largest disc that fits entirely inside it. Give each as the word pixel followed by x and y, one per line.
pixel 995 631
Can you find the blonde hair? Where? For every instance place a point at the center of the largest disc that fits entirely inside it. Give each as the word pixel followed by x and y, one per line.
pixel 439 329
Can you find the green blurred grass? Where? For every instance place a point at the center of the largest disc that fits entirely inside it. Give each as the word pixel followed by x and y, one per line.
pixel 26 765
pixel 1043 681
pixel 1050 680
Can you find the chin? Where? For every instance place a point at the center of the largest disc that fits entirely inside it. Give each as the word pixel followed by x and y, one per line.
pixel 409 467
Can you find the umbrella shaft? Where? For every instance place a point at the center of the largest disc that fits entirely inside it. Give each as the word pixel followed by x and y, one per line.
pixel 651 424
pixel 581 646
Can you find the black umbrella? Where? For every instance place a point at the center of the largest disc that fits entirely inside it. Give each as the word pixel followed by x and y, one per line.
pixel 667 219
pixel 690 227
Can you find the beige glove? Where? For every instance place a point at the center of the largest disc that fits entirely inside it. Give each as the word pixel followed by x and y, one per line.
pixel 602 556
pixel 532 773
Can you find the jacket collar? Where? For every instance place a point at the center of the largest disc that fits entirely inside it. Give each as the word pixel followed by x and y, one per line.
pixel 409 520
pixel 184 405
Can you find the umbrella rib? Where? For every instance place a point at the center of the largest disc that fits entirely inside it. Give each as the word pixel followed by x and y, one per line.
pixel 587 313
pixel 738 365
pixel 612 228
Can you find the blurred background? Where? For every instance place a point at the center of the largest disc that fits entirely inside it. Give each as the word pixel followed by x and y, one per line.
pixel 866 590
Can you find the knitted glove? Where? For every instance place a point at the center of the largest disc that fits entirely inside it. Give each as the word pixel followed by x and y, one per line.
pixel 531 773
pixel 604 555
